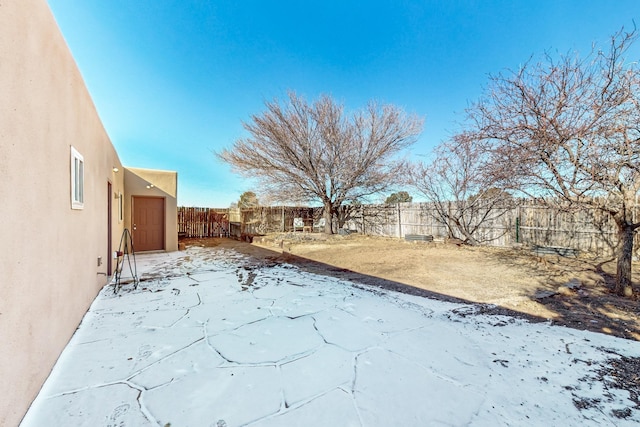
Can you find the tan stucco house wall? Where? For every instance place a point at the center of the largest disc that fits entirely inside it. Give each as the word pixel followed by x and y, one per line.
pixel 53 257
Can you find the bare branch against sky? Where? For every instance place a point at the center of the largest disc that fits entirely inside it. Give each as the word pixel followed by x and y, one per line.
pixel 567 130
pixel 173 80
pixel 302 152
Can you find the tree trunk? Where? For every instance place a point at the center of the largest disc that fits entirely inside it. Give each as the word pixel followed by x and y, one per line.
pixel 470 239
pixel 327 214
pixel 624 253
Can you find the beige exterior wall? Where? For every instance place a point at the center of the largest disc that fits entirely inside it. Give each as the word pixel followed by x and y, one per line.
pixel 154 183
pixel 49 272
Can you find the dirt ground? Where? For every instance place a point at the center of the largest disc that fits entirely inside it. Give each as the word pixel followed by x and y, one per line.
pixel 575 292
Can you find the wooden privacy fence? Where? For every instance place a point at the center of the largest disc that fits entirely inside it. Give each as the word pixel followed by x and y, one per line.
pixel 203 222
pixel 270 219
pixel 523 222
pixel 221 222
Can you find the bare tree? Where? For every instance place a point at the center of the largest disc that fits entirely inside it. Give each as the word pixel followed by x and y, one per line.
pixel 568 132
pixel 304 152
pixel 464 197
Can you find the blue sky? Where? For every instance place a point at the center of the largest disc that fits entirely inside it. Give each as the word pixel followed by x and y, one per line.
pixel 173 80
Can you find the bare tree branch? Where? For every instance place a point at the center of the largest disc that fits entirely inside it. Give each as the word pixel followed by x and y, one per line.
pixel 464 197
pixel 567 131
pixel 316 153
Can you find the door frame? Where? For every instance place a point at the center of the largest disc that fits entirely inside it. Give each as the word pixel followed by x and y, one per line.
pixel 109 229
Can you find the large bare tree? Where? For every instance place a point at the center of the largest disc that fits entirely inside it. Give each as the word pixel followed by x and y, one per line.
pixel 463 196
pixel 305 152
pixel 567 131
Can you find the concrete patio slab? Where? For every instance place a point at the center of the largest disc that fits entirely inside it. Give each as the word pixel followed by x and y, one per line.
pixel 212 338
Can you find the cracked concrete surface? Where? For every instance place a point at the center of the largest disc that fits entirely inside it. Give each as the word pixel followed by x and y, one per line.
pixel 210 338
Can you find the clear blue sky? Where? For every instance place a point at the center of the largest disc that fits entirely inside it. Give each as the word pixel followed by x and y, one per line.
pixel 173 80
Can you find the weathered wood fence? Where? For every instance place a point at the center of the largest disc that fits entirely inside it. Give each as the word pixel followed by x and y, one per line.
pixel 524 222
pixel 214 222
pixel 203 222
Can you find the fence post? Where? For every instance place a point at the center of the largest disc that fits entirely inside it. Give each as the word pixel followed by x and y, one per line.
pixel 518 224
pixel 399 222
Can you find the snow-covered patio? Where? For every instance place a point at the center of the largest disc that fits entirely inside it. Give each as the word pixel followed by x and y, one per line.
pixel 211 338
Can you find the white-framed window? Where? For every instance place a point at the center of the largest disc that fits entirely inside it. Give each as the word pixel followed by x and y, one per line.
pixel 120 207
pixel 77 179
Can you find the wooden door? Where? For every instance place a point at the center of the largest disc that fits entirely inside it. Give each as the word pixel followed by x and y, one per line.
pixel 148 223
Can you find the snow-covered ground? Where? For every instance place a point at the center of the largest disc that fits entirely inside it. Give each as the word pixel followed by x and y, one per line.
pixel 209 338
